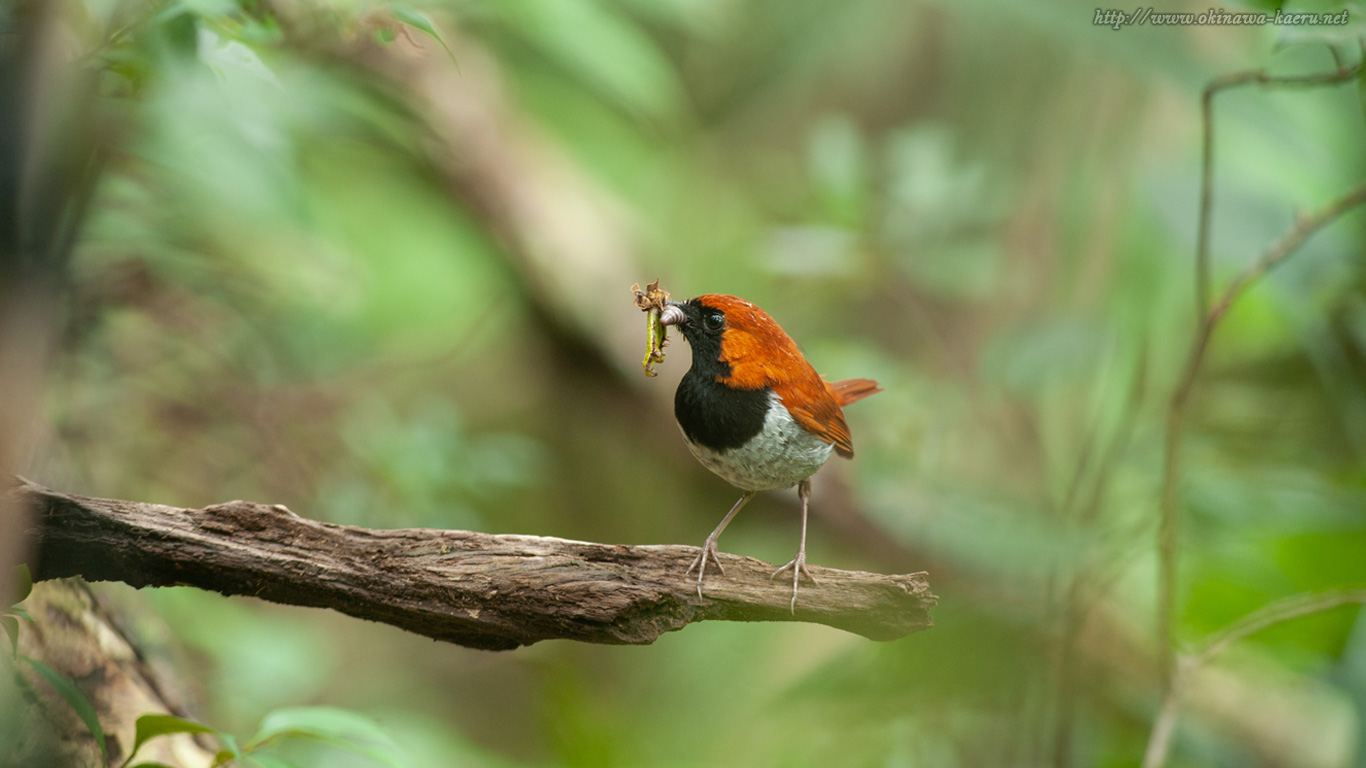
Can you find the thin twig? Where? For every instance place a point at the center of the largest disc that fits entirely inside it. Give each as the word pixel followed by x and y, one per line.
pixel 1159 741
pixel 1172 675
pixel 1171 475
pixel 1234 80
pixel 1176 414
pixel 1275 613
pixel 1304 227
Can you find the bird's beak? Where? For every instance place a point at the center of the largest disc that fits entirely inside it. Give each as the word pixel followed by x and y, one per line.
pixel 672 314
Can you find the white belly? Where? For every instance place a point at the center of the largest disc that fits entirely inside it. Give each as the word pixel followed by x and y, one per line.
pixel 780 456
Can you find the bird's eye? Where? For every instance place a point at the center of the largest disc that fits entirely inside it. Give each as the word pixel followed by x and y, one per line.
pixel 714 321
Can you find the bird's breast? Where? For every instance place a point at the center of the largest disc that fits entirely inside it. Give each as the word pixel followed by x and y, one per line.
pixel 777 453
pixel 716 415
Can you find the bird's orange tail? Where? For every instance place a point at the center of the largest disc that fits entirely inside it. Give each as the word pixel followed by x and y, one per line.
pixel 851 390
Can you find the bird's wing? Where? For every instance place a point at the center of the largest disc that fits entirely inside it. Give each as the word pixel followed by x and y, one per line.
pixel 813 406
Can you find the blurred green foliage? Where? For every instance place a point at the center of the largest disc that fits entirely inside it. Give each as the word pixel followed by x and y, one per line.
pixel 989 207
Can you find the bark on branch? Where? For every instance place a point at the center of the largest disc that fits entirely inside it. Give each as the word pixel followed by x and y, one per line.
pixel 475 589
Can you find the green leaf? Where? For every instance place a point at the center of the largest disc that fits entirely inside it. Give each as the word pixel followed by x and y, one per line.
pixel 11 625
pixel 154 725
pixel 420 21
pixel 337 727
pixel 230 749
pixel 74 698
pixel 20 611
pixel 152 765
pixel 23 583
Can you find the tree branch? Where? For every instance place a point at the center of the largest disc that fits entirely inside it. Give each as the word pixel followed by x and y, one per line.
pixel 480 590
pixel 1275 613
pixel 1207 318
pixel 1220 84
pixel 1174 670
pixel 1159 741
pixel 1305 226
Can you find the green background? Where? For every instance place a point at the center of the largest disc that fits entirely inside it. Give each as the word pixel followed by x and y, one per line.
pixel 282 293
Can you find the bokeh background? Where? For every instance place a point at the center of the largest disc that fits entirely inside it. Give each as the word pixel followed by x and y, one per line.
pixel 371 261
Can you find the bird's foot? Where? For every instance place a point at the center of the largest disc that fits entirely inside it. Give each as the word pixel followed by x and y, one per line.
pixel 798 566
pixel 708 553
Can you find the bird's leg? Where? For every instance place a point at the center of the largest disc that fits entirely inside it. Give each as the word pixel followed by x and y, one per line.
pixel 798 563
pixel 709 548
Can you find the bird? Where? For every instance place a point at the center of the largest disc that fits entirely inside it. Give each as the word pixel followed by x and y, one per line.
pixel 754 411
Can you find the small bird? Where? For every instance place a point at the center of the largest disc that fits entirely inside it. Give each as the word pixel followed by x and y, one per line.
pixel 754 411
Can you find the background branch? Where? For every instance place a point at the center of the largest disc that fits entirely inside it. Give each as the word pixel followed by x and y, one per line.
pixel 1159 743
pixel 1176 414
pixel 1215 87
pixel 1209 317
pixel 479 590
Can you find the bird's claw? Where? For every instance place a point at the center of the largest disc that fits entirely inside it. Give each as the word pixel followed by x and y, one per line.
pixel 798 566
pixel 700 563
